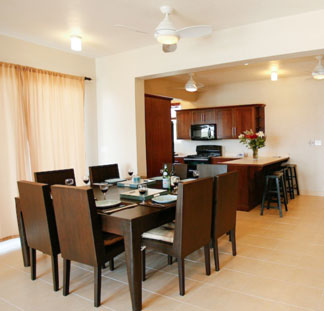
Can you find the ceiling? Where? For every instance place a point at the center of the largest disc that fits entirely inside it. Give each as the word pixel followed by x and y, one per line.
pixel 50 23
pixel 286 68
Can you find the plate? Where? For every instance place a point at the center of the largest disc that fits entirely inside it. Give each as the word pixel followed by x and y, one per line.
pixel 107 203
pixel 157 178
pixel 114 180
pixel 168 198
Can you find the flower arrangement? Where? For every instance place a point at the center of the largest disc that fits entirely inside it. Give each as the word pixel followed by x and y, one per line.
pixel 253 141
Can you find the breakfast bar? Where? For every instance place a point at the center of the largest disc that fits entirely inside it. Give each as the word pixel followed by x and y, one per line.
pixel 251 176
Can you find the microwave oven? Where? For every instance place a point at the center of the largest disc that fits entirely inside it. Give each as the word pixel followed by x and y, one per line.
pixel 203 132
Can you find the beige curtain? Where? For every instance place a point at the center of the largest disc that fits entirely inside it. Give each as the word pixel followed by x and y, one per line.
pixel 42 128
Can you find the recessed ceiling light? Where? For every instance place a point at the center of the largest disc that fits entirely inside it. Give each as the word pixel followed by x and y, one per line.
pixel 76 43
pixel 274 76
pixel 246 64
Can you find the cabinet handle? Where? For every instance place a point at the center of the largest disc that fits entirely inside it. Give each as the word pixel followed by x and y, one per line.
pixel 234 131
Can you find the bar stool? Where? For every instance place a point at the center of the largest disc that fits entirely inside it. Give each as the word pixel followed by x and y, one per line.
pixel 275 186
pixel 292 176
pixel 288 183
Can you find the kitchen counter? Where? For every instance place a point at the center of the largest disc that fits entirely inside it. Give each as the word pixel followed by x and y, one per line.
pixel 251 177
pixel 261 161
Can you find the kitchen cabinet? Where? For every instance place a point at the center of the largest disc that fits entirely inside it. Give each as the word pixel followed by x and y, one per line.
pixel 231 120
pixel 203 116
pixel 224 121
pixel 184 121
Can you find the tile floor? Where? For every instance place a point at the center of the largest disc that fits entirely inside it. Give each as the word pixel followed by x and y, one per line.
pixel 279 266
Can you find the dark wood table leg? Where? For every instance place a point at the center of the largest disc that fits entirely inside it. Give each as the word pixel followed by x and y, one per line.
pixel 22 235
pixel 132 241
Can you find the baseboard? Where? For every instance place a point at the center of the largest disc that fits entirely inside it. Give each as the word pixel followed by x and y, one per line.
pixel 312 193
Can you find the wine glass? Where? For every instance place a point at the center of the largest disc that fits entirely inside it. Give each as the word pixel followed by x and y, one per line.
pixel 161 171
pixel 142 189
pixel 195 173
pixel 104 188
pixel 69 181
pixel 130 173
pixel 176 181
pixel 86 179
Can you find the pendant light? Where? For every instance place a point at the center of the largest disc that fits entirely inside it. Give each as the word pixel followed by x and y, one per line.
pixel 318 72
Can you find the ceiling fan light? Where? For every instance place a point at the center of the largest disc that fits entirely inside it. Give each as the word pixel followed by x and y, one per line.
pixel 191 87
pixel 76 43
pixel 168 39
pixel 318 72
pixel 318 76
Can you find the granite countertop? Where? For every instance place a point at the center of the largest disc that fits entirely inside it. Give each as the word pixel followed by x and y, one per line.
pixel 261 161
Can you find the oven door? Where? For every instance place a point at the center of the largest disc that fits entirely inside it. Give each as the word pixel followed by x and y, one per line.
pixel 203 132
pixel 192 164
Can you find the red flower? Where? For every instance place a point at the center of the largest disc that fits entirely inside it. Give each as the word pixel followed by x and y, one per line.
pixel 254 136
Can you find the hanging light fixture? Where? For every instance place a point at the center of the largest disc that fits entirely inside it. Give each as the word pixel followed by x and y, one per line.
pixel 191 85
pixel 76 43
pixel 274 75
pixel 318 72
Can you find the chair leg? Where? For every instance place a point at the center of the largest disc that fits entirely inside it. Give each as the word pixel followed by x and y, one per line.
pixel 207 259
pixel 216 258
pixel 97 286
pixel 33 263
pixel 181 276
pixel 111 264
pixel 66 276
pixel 55 273
pixel 233 238
pixel 143 253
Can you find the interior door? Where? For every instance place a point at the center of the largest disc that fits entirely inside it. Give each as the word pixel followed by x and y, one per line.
pixel 158 133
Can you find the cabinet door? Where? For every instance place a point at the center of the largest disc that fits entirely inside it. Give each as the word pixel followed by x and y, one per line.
pixel 184 121
pixel 244 119
pixel 224 121
pixel 203 116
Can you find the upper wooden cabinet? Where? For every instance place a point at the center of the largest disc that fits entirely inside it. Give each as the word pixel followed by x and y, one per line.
pixel 231 121
pixel 184 121
pixel 203 116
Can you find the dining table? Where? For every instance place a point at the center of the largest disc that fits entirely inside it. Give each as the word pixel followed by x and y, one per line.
pixel 128 222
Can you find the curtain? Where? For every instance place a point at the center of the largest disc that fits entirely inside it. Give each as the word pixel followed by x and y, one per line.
pixel 42 128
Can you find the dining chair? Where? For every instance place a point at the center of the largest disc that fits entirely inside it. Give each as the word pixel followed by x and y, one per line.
pixel 39 225
pixel 211 170
pixel 80 235
pixel 191 229
pixel 100 173
pixel 56 177
pixel 180 169
pixel 225 202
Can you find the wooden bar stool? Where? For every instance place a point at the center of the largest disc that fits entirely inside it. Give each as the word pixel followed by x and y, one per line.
pixel 274 186
pixel 292 175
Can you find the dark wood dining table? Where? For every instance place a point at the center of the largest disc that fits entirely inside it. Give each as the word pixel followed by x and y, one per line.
pixel 130 223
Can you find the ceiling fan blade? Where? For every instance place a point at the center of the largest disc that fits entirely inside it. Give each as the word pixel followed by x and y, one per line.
pixel 131 29
pixel 195 31
pixel 167 48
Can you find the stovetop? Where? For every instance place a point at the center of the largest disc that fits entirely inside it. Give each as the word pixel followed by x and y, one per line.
pixel 203 155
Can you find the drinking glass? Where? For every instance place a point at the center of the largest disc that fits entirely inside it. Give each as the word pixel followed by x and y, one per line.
pixel 195 173
pixel 130 173
pixel 142 189
pixel 161 171
pixel 86 179
pixel 104 188
pixel 69 181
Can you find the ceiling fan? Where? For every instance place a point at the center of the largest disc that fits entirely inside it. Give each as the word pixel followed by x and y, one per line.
pixel 192 85
pixel 166 34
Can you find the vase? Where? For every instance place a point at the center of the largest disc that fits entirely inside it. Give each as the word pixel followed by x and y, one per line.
pixel 255 153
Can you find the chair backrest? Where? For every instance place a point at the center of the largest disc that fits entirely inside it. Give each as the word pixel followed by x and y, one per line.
pixel 78 225
pixel 101 172
pixel 39 218
pixel 193 215
pixel 56 177
pixel 224 203
pixel 180 169
pixel 211 170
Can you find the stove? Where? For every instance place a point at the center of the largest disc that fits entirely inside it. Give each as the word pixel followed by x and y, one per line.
pixel 203 156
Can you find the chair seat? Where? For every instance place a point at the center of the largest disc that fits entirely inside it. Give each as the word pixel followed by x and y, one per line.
pixel 110 238
pixel 163 233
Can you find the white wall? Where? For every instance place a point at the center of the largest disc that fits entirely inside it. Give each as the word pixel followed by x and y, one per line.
pixel 116 75
pixel 294 116
pixel 28 54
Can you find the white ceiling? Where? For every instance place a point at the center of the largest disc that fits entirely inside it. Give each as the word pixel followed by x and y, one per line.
pixel 286 68
pixel 50 23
